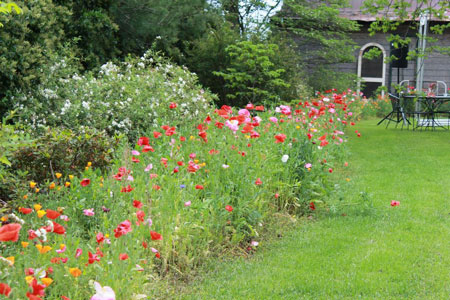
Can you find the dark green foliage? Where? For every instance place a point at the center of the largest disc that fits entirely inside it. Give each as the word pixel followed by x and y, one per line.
pixel 167 24
pixel 27 42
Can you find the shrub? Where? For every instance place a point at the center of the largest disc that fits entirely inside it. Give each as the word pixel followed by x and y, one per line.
pixel 126 98
pixel 56 151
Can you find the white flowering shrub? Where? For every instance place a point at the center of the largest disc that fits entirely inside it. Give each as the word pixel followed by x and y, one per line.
pixel 128 98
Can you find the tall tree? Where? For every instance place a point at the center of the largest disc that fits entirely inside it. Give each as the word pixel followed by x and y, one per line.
pixel 321 36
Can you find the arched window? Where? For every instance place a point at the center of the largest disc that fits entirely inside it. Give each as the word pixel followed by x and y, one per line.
pixel 371 71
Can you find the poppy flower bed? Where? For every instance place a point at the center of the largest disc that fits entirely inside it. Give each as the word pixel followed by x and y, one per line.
pixel 178 196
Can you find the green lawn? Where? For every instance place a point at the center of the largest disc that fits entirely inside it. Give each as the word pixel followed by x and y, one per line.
pixel 385 253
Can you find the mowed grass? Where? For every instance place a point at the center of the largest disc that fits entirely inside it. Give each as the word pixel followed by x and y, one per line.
pixel 380 253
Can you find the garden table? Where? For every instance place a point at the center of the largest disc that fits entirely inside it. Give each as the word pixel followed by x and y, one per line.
pixel 397 114
pixel 428 109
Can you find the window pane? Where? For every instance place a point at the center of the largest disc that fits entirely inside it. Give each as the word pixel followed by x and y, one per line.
pixel 372 67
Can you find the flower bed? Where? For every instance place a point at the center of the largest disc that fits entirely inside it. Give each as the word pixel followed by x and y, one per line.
pixel 177 197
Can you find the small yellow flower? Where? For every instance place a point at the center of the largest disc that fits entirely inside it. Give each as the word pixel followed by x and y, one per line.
pixel 101 184
pixel 32 184
pixel 59 188
pixel 298 127
pixel 4 218
pixel 25 244
pixel 247 136
pixel 107 235
pixel 61 246
pixel 202 164
pixel 47 281
pixel 191 137
pixel 43 249
pixel 25 197
pixel 37 207
pixel 11 259
pixel 60 209
pixel 52 186
pixel 89 164
pixel 58 175
pixel 348 179
pixel 41 213
pixel 37 190
pixel 70 177
pixel 29 279
pixel 196 161
pixel 67 184
pixel 87 168
pixel 75 272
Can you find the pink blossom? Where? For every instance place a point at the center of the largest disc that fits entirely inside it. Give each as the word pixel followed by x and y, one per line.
pixel 233 125
pixel 154 250
pixel 395 203
pixel 89 212
pixel 78 252
pixel 273 119
pixel 135 152
pixel 308 165
pixel 62 250
pixel 148 168
pixel 192 155
pixel 188 203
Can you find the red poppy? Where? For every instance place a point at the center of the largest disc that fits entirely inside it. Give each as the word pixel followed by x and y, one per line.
pixel 182 138
pixel 85 182
pixel 219 125
pixel 134 159
pixel 229 208
pixel 38 289
pixel 137 204
pixel 170 131
pixel 279 138
pixel 213 151
pixel 172 105
pixel 156 187
pixel 122 229
pixel 207 119
pixel 92 258
pixel 64 298
pixel 25 211
pixel 126 189
pixel 312 206
pixel 5 289
pixel 52 214
pixel 199 187
pixel 157 134
pixel 140 215
pixel 123 256
pixel 259 108
pixel 323 143
pixel 203 135
pixel 100 238
pixel 157 255
pixel 148 148
pixel 180 163
pixel 144 244
pixel 33 297
pixel 330 170
pixel 258 181
pixel 247 129
pixel 10 232
pixel 143 141
pixel 250 106
pixel 155 236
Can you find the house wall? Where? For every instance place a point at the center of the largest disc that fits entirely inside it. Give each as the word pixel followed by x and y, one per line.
pixel 437 66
